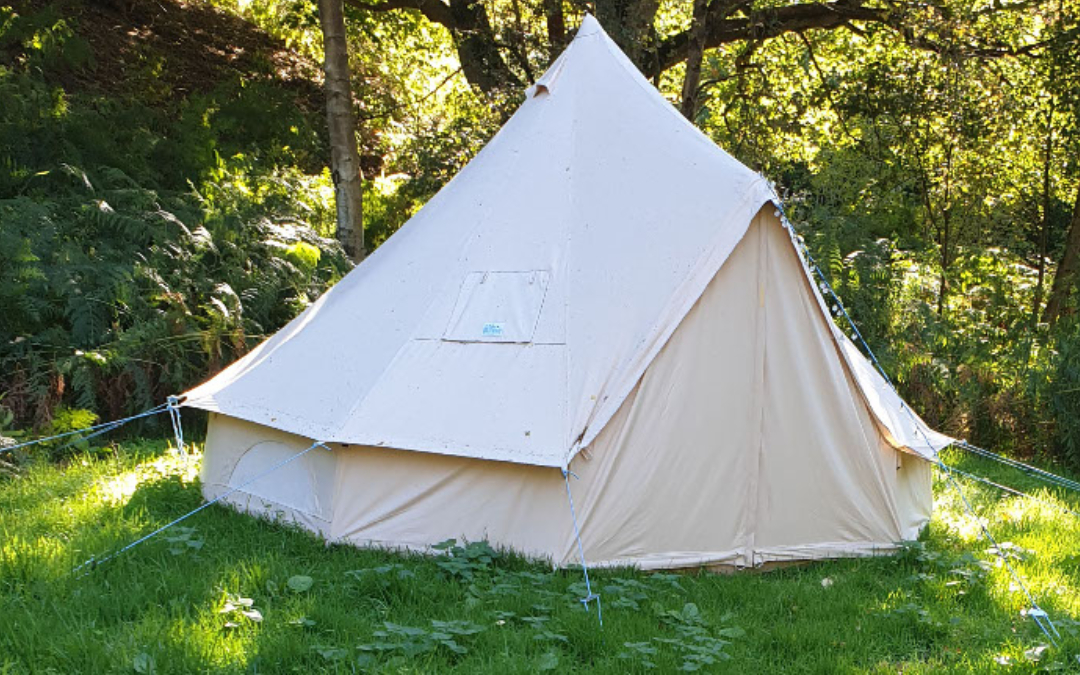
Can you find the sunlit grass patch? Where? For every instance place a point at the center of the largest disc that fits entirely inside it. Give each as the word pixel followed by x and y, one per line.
pixel 225 592
pixel 115 489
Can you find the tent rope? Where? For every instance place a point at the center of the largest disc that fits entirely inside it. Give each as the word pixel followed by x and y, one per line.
pixel 589 595
pixel 1013 491
pixel 1046 476
pixel 1035 611
pixel 97 429
pixel 839 307
pixel 173 406
pixel 1042 619
pixel 93 563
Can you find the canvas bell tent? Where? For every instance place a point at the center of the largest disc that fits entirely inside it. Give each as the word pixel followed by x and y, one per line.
pixel 603 291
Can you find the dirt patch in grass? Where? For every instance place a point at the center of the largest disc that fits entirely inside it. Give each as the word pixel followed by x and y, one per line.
pixel 189 46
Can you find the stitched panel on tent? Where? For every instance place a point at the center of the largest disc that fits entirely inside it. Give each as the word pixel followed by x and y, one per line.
pixel 498 307
pixel 305 484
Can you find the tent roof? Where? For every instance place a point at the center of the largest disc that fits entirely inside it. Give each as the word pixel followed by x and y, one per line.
pixel 510 318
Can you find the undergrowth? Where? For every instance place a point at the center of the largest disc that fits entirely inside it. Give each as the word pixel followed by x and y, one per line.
pixel 149 234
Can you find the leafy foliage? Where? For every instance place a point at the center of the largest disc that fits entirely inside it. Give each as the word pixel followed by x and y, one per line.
pixel 173 288
pixel 1064 393
pixel 464 562
pixel 153 226
pixel 140 250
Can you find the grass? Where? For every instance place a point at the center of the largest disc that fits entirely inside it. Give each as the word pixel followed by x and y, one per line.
pixel 227 593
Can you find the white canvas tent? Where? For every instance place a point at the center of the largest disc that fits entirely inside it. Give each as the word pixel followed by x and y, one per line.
pixel 601 290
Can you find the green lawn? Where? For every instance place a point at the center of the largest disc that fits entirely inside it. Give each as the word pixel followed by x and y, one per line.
pixel 227 593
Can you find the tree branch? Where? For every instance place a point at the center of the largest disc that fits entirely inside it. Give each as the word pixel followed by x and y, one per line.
pixel 434 10
pixel 469 25
pixel 772 22
pixel 764 24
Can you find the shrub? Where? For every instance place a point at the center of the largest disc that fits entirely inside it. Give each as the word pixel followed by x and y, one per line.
pixel 115 296
pixel 1065 394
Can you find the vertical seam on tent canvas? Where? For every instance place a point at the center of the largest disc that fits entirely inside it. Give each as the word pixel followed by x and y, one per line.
pixel 339 473
pixel 761 325
pixel 569 442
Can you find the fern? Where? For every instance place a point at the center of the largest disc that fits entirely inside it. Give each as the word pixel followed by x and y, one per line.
pixel 139 293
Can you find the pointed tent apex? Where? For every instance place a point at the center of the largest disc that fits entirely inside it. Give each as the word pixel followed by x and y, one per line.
pixel 589 26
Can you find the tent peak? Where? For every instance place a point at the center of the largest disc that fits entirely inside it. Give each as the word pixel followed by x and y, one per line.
pixel 589 26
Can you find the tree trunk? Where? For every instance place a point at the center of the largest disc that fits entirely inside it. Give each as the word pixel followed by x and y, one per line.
pixel 521 49
pixel 1067 268
pixel 344 156
pixel 943 288
pixel 694 54
pixel 630 25
pixel 470 29
pixel 1044 233
pixel 478 50
pixel 946 233
pixel 556 27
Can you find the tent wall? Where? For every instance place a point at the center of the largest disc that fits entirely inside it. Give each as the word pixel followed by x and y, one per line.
pixel 745 442
pixel 300 492
pixel 395 498
pixel 827 478
pixel 914 494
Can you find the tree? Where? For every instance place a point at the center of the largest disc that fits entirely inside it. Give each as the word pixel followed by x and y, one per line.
pixel 1065 54
pixel 474 38
pixel 693 59
pixel 1066 275
pixel 555 22
pixel 344 155
pixel 481 45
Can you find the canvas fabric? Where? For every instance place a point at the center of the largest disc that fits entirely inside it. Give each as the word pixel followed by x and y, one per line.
pixel 513 315
pixel 746 441
pixel 510 318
